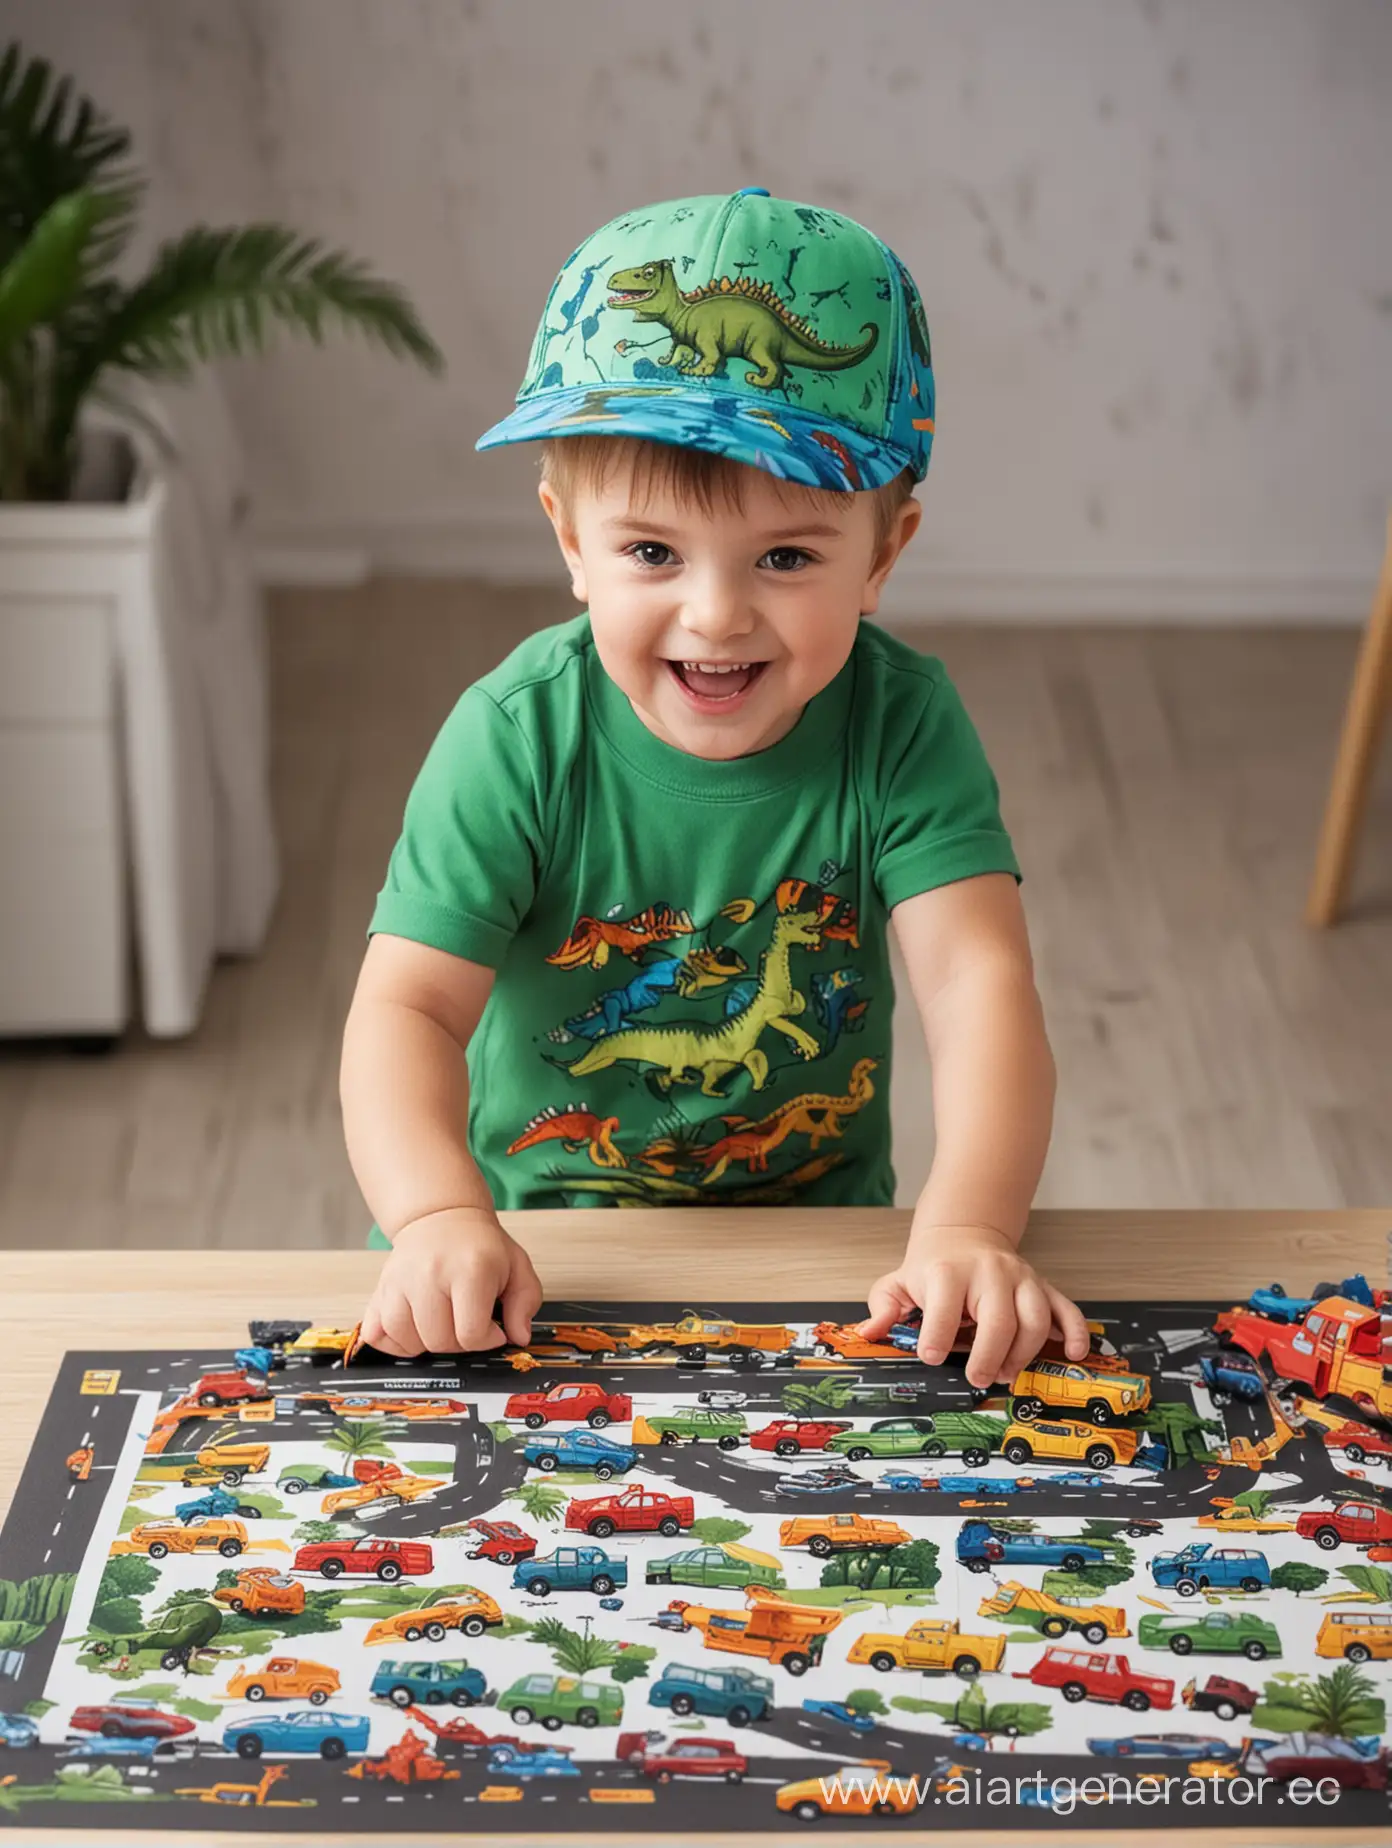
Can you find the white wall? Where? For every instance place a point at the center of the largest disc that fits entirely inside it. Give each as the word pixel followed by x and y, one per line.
pixel 1153 240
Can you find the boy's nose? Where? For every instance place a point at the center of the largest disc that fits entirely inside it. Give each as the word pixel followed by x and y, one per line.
pixel 717 608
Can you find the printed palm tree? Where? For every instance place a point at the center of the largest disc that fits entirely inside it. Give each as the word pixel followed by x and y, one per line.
pixel 971 1712
pixel 539 1500
pixel 1342 1703
pixel 359 1438
pixel 1183 1430
pixel 69 323
pixel 572 1653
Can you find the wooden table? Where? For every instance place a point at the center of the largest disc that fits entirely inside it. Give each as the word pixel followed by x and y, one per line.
pixel 51 1302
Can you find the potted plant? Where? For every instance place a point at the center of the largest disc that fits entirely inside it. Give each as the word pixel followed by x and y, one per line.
pixel 101 714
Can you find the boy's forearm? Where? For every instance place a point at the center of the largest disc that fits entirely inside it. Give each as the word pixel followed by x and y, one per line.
pixel 404 1085
pixel 993 1103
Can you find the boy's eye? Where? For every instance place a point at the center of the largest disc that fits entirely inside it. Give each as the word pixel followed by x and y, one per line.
pixel 788 557
pixel 645 548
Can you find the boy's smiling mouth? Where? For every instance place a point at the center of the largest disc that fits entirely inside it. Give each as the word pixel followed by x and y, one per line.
pixel 716 685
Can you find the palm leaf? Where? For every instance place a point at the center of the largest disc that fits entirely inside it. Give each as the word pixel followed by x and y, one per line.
pixel 213 294
pixel 53 143
pixel 48 271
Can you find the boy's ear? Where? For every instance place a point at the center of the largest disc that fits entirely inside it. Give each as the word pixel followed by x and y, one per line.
pixel 904 526
pixel 565 538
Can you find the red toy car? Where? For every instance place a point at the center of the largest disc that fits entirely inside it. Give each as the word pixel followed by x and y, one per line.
pixel 226 1389
pixel 1316 1756
pixel 1359 1442
pixel 1219 1695
pixel 115 1722
pixel 788 1437
pixel 634 1511
pixel 1085 1674
pixel 569 1405
pixel 695 1758
pixel 501 1541
pixel 387 1560
pixel 1359 1523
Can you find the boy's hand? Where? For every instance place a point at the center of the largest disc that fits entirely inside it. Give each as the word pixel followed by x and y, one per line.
pixel 973 1273
pixel 439 1286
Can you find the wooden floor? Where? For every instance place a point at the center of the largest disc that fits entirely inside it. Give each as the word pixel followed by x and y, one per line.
pixel 1163 788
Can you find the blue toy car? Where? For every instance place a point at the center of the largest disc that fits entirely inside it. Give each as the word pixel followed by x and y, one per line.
pixel 1070 1479
pixel 101 1747
pixel 905 1336
pixel 406 1683
pixel 1226 1375
pixel 1166 1745
pixel 838 1710
pixel 611 1604
pixel 262 1360
pixel 1153 1454
pixel 18 1729
pixel 981 1545
pixel 1275 1303
pixel 216 1502
pixel 547 1762
pixel 1204 1567
pixel 731 1694
pixel 580 1450
pixel 306 1729
pixel 570 1568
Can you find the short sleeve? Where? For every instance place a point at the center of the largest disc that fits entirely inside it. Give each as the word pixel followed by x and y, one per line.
pixel 464 872
pixel 941 817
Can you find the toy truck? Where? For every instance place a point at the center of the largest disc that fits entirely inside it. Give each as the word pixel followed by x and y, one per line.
pixel 932 1643
pixel 261 1591
pixel 570 1404
pixel 1020 1604
pixel 1335 1348
pixel 790 1635
pixel 694 1336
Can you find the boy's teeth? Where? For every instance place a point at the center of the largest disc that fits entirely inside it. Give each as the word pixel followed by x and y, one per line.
pixel 712 667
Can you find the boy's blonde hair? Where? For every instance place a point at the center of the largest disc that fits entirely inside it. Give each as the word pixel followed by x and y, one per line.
pixel 694 477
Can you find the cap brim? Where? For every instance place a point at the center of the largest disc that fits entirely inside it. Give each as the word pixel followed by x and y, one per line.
pixel 794 444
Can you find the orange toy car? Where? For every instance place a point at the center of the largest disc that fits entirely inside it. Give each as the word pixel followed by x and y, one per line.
pixel 261 1591
pixel 471 1614
pixel 285 1678
pixel 824 1534
pixel 388 1486
pixel 361 1405
pixel 156 1538
pixel 79 1464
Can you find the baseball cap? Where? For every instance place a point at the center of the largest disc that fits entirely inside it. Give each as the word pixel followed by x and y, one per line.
pixel 782 335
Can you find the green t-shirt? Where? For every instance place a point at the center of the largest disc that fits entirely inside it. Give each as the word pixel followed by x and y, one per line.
pixel 693 1001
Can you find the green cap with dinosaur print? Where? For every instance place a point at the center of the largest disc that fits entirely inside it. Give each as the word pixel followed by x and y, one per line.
pixel 781 335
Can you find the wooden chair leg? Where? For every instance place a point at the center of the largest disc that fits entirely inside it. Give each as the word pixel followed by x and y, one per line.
pixel 1368 700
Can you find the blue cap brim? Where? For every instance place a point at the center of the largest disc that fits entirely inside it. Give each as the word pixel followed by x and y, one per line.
pixel 793 444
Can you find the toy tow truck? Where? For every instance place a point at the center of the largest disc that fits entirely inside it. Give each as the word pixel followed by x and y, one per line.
pixel 791 1635
pixel 1335 1348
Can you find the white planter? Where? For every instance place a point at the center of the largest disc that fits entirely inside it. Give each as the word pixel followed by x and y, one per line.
pixel 135 833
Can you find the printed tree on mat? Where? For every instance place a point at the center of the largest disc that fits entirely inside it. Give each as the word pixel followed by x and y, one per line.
pixel 122 1583
pixel 1372 1585
pixel 539 1500
pixel 914 1564
pixel 1344 1703
pixel 971 1712
pixel 573 1653
pixel 866 1700
pixel 359 1438
pixel 715 1528
pixel 28 1607
pixel 1297 1576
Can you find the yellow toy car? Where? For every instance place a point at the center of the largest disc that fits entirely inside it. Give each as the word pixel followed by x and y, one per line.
pixel 157 1538
pixel 384 1491
pixel 1359 1636
pixel 285 1678
pixel 1237 1518
pixel 323 1339
pixel 1066 1437
pixel 471 1615
pixel 865 1789
pixel 1097 1398
pixel 825 1534
pixel 931 1643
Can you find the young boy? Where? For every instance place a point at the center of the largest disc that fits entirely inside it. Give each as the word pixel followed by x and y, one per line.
pixel 647 867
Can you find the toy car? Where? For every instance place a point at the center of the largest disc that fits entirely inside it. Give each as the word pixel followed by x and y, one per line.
pixel 1210 1633
pixel 157 1538
pixel 1095 1398
pixel 261 1591
pixel 581 1450
pixel 262 1360
pixel 789 1437
pixel 360 1405
pixel 1201 1566
pixel 285 1678
pixel 543 1762
pixel 632 1511
pixel 308 1729
pixel 691 1424
pixel 571 1568
pixel 791 1635
pixel 471 1613
pixel 589 1403
pixel 296 1478
pixel 869 1788
pixel 1019 1604
pixel 821 1481
pixel 1357 1636
pixel 844 1341
pixel 118 1748
pixel 1230 1376
pixel 973 1433
pixel 824 1534
pixel 18 1730
pixel 227 1389
pixel 1237 1517
pixel 79 1464
pixel 930 1643
pixel 556 1699
pixel 405 1683
pixel 1099 1449
pixel 501 1541
pixel 1360 1443
pixel 1317 1757
pixel 115 1721
pixel 1275 1303
pixel 722 1398
pixel 696 1758
pixel 980 1545
pixel 1165 1745
pixel 217 1502
pixel 1085 1674
pixel 838 1710
pixel 388 1489
pixel 1352 1522
pixel 1219 1695
pixel 734 1695
pixel 726 1564
pixel 387 1560
pixel 611 1604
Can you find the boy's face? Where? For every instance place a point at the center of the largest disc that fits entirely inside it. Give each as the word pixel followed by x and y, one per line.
pixel 773 591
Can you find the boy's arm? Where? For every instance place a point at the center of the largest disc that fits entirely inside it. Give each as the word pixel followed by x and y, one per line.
pixel 966 949
pixel 404 1086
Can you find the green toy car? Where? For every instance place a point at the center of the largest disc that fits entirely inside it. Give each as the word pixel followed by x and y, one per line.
pixel 716 1565
pixel 691 1424
pixel 973 1435
pixel 1213 1633
pixel 558 1699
